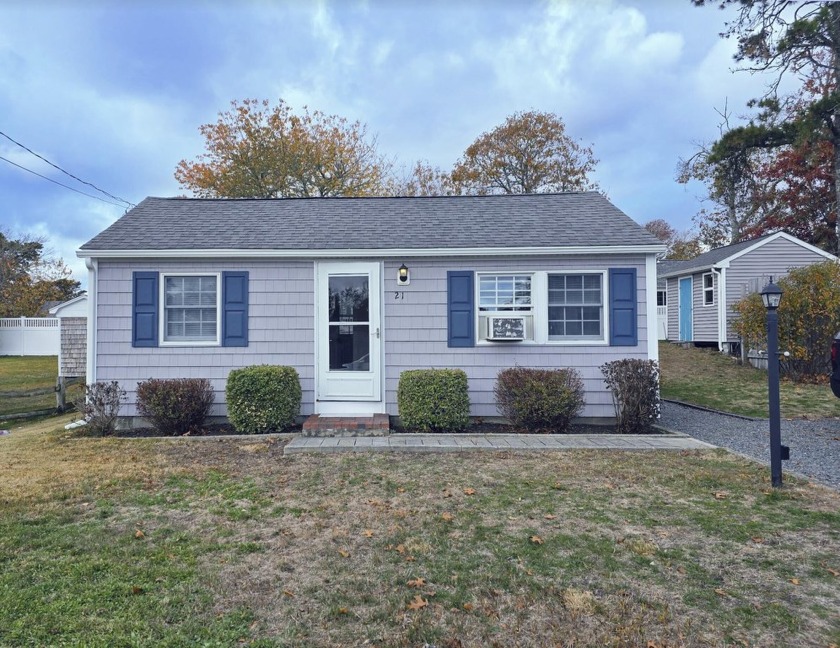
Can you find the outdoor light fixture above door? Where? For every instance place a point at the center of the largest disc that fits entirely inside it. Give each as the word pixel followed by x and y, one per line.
pixel 403 278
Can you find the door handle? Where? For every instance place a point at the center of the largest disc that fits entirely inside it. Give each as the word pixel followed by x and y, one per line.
pixel 376 332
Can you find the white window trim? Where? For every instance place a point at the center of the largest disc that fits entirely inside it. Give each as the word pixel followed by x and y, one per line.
pixel 704 290
pixel 539 311
pixel 162 341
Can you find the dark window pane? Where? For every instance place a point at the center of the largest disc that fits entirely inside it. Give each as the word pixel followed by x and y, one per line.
pixel 348 298
pixel 349 347
pixel 573 328
pixel 556 328
pixel 592 328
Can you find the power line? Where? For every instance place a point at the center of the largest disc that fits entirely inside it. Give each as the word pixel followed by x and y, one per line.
pixel 60 184
pixel 67 173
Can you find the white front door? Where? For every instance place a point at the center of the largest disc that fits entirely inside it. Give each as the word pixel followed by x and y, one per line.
pixel 348 298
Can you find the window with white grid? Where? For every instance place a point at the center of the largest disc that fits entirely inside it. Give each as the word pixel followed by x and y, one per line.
pixel 504 292
pixel 575 306
pixel 191 308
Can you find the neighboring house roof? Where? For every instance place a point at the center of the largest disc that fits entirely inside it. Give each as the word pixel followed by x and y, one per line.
pixel 44 310
pixel 59 306
pixel 719 255
pixel 664 266
pixel 563 220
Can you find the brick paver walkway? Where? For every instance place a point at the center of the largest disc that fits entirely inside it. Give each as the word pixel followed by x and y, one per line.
pixel 461 442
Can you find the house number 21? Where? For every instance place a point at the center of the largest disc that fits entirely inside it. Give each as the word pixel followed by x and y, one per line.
pixel 399 294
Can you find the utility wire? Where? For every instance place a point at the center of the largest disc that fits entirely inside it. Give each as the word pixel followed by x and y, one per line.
pixel 55 166
pixel 60 184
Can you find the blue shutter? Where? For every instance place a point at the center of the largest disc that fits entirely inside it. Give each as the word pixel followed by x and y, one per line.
pixel 623 313
pixel 461 308
pixel 235 309
pixel 144 314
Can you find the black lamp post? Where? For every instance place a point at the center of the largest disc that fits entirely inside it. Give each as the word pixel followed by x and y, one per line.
pixel 771 295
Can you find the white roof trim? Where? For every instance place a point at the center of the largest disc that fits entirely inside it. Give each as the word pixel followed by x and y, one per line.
pixel 775 237
pixel 368 253
pixel 724 263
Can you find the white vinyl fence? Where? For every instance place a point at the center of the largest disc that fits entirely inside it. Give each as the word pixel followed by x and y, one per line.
pixel 30 336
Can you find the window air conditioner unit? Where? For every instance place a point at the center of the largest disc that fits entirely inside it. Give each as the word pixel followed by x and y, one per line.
pixel 506 329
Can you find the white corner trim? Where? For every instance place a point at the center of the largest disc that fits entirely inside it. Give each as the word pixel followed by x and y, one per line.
pixel 93 288
pixel 650 298
pixel 368 253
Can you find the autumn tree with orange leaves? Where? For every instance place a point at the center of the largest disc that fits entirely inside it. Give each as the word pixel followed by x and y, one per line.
pixel 529 153
pixel 255 150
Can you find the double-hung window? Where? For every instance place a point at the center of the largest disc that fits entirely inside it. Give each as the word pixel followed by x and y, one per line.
pixel 191 308
pixel 575 306
pixel 708 289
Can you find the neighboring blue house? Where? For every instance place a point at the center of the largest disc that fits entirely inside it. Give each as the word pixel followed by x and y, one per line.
pixel 700 293
pixel 353 291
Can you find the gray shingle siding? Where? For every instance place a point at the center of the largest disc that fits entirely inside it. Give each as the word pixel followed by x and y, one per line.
pixel 531 220
pixel 750 272
pixel 705 317
pixel 282 329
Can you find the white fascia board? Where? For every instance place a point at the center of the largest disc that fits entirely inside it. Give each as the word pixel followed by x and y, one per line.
pixel 368 253
pixel 774 237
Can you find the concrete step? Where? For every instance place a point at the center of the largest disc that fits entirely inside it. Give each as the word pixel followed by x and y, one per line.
pixel 317 425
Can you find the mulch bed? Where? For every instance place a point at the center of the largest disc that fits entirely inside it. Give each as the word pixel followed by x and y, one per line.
pixel 479 427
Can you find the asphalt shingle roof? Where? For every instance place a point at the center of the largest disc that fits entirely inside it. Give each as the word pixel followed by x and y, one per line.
pixel 707 259
pixel 528 220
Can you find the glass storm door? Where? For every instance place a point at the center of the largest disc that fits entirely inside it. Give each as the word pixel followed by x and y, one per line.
pixel 348 332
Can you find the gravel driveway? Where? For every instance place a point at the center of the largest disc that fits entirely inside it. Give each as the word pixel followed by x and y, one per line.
pixel 814 445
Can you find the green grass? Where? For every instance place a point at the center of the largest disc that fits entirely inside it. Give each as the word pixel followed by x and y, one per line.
pixel 25 374
pixel 238 545
pixel 708 378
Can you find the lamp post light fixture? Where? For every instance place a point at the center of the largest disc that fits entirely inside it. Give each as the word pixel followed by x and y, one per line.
pixel 771 295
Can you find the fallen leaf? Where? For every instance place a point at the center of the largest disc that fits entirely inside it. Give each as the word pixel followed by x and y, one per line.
pixel 400 490
pixel 721 495
pixel 410 559
pixel 446 493
pixel 344 554
pixel 289 594
pixel 721 592
pixel 418 603
pixel 469 491
pixel 139 534
pixel 833 572
pixel 795 581
pixel 757 540
pixel 367 533
pixel 446 516
pixel 416 582
pixel 400 549
pixel 535 539
pixel 549 516
pixel 137 590
pixel 468 606
pixel 342 610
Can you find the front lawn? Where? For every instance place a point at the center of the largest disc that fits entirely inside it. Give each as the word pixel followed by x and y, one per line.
pixel 23 375
pixel 215 542
pixel 708 378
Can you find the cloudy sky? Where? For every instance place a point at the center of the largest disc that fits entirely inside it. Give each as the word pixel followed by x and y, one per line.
pixel 114 92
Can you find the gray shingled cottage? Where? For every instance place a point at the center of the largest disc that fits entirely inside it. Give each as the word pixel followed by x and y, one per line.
pixel 700 293
pixel 353 291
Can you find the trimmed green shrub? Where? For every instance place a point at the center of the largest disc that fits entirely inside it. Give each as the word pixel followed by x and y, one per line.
pixel 634 385
pixel 175 406
pixel 263 398
pixel 100 407
pixel 809 317
pixel 434 400
pixel 539 400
